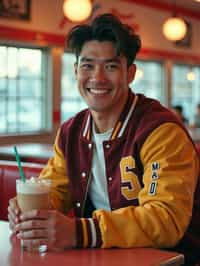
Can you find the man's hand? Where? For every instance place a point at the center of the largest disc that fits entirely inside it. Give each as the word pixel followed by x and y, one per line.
pixel 13 213
pixel 48 227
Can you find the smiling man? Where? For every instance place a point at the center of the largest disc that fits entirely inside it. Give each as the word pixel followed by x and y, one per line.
pixel 125 168
pixel 103 79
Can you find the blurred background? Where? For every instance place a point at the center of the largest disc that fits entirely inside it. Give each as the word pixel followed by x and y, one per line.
pixel 37 85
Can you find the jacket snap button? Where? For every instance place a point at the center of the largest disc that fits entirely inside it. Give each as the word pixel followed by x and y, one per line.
pixel 83 174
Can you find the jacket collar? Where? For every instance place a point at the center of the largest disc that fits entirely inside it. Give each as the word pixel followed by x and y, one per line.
pixel 122 122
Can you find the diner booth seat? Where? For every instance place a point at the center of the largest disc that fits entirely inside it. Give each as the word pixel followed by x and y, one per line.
pixel 8 174
pixel 198 147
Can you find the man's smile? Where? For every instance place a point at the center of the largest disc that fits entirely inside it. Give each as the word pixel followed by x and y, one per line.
pixel 98 91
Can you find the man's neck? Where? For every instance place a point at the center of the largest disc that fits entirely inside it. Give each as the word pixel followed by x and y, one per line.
pixel 107 119
pixel 102 123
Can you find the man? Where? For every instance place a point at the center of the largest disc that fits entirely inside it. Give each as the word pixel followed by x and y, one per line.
pixel 125 169
pixel 178 110
pixel 196 122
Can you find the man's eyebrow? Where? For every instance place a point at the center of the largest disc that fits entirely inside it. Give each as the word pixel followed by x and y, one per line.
pixel 85 59
pixel 108 60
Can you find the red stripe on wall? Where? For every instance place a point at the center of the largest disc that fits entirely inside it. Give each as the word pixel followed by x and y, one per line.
pixel 166 7
pixel 38 37
pixel 149 53
pixel 16 34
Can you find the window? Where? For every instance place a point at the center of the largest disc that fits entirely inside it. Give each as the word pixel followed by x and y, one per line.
pixel 23 84
pixel 71 99
pixel 149 80
pixel 186 88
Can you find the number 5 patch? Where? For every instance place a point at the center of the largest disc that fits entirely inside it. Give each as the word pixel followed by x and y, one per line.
pixel 130 185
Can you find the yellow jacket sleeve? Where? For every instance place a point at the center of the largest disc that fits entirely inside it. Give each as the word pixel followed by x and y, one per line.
pixel 164 212
pixel 56 170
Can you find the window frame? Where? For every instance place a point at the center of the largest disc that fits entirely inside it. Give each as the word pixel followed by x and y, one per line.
pixel 46 94
pixel 193 99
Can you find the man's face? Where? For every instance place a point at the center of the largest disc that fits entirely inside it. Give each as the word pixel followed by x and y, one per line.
pixel 103 77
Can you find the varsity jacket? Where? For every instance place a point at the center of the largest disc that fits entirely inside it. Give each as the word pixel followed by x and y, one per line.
pixel 151 171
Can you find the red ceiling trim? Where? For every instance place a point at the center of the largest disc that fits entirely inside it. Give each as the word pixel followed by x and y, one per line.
pixel 166 7
pixel 38 37
pixel 149 53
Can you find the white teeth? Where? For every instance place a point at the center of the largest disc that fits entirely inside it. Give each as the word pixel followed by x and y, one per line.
pixel 98 91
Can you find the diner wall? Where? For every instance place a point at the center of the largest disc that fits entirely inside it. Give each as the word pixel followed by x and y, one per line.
pixel 48 27
pixel 47 17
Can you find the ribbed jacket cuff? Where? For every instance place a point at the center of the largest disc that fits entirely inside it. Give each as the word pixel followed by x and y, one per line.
pixel 88 233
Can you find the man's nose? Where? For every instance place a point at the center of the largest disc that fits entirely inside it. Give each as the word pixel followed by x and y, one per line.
pixel 99 73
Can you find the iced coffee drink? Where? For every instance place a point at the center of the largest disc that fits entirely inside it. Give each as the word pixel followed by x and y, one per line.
pixel 33 194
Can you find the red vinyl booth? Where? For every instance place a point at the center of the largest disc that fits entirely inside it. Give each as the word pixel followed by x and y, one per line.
pixel 8 174
pixel 198 147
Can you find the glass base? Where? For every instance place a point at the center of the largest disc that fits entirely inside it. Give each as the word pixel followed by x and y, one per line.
pixel 40 249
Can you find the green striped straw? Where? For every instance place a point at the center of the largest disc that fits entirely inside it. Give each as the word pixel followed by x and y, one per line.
pixel 21 172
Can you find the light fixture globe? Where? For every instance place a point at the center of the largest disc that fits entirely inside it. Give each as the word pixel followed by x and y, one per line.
pixel 77 10
pixel 190 76
pixel 174 29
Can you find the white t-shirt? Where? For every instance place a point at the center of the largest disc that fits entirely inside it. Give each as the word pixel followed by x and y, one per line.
pixel 98 191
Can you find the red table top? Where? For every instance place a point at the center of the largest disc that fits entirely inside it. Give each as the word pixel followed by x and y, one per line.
pixel 12 255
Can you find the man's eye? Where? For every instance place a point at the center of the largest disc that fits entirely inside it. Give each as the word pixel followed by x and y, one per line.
pixel 111 67
pixel 86 66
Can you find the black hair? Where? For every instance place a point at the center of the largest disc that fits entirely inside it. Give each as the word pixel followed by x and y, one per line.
pixel 179 108
pixel 106 27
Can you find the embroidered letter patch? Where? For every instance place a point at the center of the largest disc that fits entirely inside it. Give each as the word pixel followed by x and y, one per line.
pixel 152 188
pixel 154 168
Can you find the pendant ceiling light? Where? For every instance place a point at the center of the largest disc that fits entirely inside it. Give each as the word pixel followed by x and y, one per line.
pixel 77 10
pixel 174 28
pixel 191 75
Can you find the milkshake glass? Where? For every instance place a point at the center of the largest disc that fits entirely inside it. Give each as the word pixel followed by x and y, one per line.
pixel 33 194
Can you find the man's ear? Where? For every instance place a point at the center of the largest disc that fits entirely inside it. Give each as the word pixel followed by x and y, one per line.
pixel 131 73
